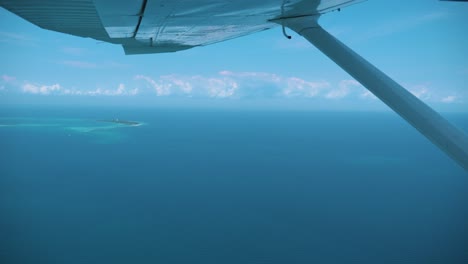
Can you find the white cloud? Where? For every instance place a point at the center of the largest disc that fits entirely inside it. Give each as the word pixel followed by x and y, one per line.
pixel 449 99
pixel 191 85
pixel 224 84
pixel 40 89
pixel 221 88
pixel 184 85
pixel 161 88
pixel 299 87
pixel 121 90
pixel 57 89
pixel 235 84
pixel 343 90
pixel 281 86
pixel 367 94
pixel 345 87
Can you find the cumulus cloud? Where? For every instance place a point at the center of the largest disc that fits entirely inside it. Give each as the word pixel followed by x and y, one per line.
pixel 221 88
pixel 224 84
pixel 218 86
pixel 344 89
pixel 262 76
pixel 40 89
pixel 191 85
pixel 119 91
pixel 234 84
pixel 160 87
pixel 57 89
pixel 367 94
pixel 184 85
pixel 298 87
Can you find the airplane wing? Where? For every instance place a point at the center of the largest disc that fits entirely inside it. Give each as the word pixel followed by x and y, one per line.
pixel 156 26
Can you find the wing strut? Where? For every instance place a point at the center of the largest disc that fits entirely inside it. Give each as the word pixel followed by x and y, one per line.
pixel 437 129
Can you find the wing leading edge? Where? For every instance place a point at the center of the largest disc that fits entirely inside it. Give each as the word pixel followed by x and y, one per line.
pixel 157 26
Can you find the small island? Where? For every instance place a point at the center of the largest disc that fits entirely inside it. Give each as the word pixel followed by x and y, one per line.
pixel 118 121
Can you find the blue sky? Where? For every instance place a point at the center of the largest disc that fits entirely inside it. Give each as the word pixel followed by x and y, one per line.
pixel 421 44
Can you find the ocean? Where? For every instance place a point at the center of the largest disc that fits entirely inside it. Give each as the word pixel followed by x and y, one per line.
pixel 226 186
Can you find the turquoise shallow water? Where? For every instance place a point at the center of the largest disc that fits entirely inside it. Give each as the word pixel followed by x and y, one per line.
pixel 200 186
pixel 102 131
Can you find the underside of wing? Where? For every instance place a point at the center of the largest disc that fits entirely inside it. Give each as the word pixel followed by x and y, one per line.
pixel 155 26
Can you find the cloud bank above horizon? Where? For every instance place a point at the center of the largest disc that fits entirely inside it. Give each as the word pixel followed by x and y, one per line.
pixel 222 85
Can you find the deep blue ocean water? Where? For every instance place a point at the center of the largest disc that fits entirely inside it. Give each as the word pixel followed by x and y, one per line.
pixel 225 186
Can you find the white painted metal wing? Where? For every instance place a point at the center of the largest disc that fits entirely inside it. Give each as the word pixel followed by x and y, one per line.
pixel 155 26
